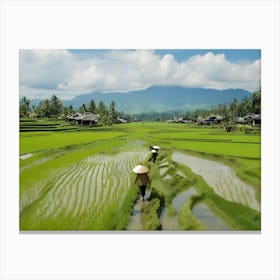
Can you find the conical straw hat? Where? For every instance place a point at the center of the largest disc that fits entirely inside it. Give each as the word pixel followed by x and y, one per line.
pixel 140 169
pixel 153 151
pixel 156 147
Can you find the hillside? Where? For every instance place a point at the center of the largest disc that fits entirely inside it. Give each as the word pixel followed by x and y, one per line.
pixel 161 99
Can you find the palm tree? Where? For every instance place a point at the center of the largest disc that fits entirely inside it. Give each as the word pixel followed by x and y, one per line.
pixel 24 107
pixel 92 106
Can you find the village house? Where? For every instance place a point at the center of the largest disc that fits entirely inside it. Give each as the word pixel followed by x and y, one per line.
pixel 251 119
pixel 87 118
pixel 120 120
pixel 209 120
pixel 212 120
pixel 178 120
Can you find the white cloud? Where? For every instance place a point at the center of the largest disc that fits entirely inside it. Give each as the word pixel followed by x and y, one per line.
pixel 46 72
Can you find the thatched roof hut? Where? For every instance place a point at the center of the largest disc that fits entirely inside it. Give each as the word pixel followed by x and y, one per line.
pixel 87 118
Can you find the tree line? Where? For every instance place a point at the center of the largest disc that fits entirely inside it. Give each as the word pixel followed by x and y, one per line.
pixel 232 110
pixel 53 108
pixel 108 114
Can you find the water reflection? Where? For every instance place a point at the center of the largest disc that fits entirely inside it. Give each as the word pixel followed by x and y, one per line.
pixel 221 178
pixel 208 218
pixel 171 223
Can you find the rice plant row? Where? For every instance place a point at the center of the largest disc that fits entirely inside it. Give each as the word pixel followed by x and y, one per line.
pixel 84 191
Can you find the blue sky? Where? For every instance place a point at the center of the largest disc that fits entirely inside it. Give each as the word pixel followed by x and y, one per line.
pixel 68 73
pixel 182 54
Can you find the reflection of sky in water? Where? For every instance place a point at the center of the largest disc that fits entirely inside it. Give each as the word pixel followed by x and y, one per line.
pixel 208 218
pixel 162 170
pixel 221 178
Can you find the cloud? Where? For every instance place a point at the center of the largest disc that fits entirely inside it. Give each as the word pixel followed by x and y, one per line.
pixel 60 72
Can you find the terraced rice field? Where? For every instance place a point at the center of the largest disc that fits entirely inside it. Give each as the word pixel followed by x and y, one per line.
pixel 221 178
pixel 171 222
pixel 84 189
pixel 83 180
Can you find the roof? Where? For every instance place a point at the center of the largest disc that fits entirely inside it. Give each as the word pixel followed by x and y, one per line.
pixel 253 116
pixel 87 116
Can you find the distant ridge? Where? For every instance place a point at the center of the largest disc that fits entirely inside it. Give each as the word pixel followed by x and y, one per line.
pixel 160 99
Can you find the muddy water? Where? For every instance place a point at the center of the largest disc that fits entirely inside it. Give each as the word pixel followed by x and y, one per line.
pixel 208 218
pixel 171 223
pixel 135 222
pixel 221 178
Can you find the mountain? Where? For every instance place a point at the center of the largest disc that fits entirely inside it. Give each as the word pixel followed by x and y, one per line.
pixel 159 99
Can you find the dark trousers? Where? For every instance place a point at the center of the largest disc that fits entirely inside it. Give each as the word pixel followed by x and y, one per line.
pixel 142 190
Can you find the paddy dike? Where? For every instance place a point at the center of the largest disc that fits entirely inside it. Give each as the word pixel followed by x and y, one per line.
pixel 171 222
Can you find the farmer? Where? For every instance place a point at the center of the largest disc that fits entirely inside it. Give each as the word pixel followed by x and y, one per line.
pixel 154 155
pixel 155 147
pixel 142 178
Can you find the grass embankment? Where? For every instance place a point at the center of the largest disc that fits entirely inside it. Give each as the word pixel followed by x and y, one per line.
pixel 33 125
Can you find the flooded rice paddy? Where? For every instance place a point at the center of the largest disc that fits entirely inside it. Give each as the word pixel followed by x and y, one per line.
pixel 221 178
pixel 171 222
pixel 135 223
pixel 101 180
pixel 206 216
pixel 93 183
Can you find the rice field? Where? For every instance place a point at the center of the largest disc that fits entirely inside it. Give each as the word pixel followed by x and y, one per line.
pixel 82 190
pixel 81 179
pixel 221 178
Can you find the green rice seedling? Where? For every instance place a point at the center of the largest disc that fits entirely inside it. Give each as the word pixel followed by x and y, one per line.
pixel 171 211
pixel 187 220
pixel 69 202
pixel 150 219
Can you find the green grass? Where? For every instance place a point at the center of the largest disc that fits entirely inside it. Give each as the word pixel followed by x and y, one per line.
pixel 38 141
pixel 187 220
pixel 150 213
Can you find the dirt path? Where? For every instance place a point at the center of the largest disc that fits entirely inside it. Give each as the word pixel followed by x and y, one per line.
pixel 135 223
